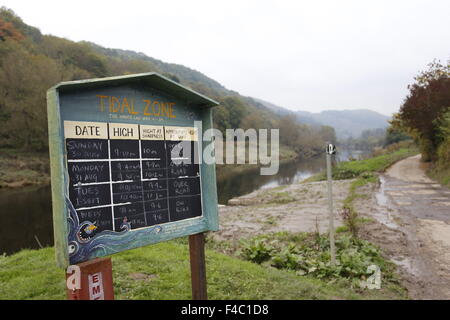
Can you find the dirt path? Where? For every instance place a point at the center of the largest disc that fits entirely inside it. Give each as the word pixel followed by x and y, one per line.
pixel 418 209
pixel 409 220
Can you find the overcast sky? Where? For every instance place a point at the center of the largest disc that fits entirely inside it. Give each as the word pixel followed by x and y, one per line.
pixel 302 55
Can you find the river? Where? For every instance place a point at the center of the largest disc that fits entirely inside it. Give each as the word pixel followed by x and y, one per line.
pixel 26 214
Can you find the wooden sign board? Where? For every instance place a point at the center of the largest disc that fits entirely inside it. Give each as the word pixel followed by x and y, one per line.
pixel 125 168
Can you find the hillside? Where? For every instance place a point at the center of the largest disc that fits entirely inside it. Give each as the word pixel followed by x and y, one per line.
pixel 347 123
pixel 351 123
pixel 31 62
pixel 177 70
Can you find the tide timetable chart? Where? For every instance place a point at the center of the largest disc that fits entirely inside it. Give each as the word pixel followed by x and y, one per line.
pixel 126 165
pixel 132 175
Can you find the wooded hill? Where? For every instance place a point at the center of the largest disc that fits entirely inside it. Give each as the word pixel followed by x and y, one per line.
pixel 347 123
pixel 31 62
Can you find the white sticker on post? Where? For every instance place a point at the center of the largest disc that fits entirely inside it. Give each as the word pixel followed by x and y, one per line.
pixel 96 291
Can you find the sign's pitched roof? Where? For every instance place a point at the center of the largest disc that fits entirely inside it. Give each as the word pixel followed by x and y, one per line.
pixel 153 79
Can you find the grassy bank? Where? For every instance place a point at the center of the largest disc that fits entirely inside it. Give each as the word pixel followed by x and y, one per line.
pixel 366 167
pixel 440 174
pixel 162 272
pixel 20 168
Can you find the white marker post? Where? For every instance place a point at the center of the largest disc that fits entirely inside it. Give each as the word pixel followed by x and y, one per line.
pixel 330 150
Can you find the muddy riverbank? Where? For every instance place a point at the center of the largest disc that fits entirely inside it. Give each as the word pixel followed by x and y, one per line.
pixel 19 169
pixel 297 207
pixel 407 217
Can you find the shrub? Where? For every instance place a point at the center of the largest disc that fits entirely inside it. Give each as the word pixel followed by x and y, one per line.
pixel 350 218
pixel 256 250
pixel 309 255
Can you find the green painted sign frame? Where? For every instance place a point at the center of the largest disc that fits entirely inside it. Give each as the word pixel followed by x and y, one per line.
pixel 123 100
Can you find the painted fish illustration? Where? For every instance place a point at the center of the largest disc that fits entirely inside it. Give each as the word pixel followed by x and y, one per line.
pixel 86 231
pixel 90 228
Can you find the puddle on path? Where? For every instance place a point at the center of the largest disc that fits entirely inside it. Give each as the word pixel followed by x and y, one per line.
pixel 407 264
pixel 384 214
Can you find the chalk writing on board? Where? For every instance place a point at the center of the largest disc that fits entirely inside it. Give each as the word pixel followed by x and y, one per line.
pixel 129 176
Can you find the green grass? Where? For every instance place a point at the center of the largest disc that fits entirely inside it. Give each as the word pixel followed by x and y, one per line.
pixel 280 197
pixel 359 182
pixel 163 271
pixel 357 168
pixel 440 174
pixel 351 219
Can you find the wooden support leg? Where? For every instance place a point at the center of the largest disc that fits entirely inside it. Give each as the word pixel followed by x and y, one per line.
pixel 198 266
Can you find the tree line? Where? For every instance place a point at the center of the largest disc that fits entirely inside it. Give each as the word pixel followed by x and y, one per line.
pixel 425 113
pixel 31 63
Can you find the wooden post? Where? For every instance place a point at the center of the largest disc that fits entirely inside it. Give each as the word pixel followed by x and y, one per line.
pixel 94 280
pixel 198 266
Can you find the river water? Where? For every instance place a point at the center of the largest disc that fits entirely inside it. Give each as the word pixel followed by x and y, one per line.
pixel 26 214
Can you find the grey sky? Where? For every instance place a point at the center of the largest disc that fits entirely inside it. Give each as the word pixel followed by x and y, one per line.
pixel 303 55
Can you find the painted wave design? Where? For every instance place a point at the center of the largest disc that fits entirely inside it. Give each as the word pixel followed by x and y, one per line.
pixel 102 244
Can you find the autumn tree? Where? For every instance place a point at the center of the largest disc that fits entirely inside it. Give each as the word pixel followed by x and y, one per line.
pixel 8 31
pixel 422 109
pixel 24 81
